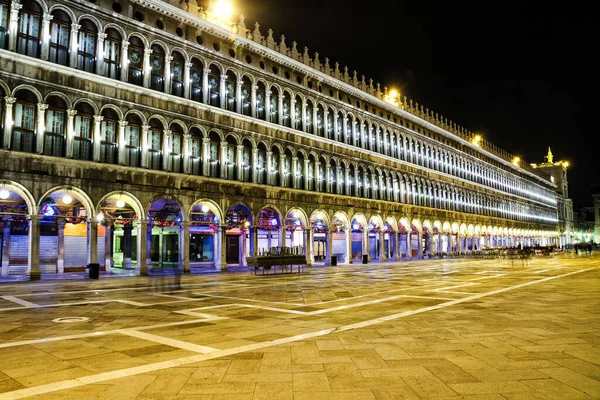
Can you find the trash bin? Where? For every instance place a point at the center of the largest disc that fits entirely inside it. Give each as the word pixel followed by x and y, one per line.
pixel 365 258
pixel 94 270
pixel 333 261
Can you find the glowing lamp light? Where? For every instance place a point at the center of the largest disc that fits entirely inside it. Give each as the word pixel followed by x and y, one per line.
pixel 100 217
pixel 120 203
pixel 4 194
pixel 223 9
pixel 516 161
pixel 204 208
pixel 274 221
pixel 67 199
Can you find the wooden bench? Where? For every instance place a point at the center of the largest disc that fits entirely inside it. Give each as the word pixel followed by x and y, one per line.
pixel 270 263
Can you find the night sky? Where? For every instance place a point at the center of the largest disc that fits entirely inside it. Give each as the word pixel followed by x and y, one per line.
pixel 518 73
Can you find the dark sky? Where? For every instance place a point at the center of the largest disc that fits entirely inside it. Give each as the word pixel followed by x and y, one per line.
pixel 519 73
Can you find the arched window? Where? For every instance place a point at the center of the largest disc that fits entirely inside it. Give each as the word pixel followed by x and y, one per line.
pixel 275 160
pixel 157 68
pixel 341 178
pixel 86 53
pixel 155 144
pixel 299 175
pixel 246 96
pixel 213 154
pixel 230 88
pixel 298 118
pixel 132 141
pixel 287 116
pixel 28 38
pixel 213 86
pixel 112 54
pixel 108 136
pixel 312 162
pixel 196 152
pixel 261 164
pixel 82 141
pixel 287 169
pixel 274 106
pixel 136 61
pixel 231 159
pixel 351 181
pixel 23 130
pixel 176 154
pixel 320 178
pixel 260 101
pixel 333 182
pixel 60 26
pixel 4 18
pixel 196 74
pixel 322 123
pixel 246 161
pixel 339 129
pixel 54 137
pixel 177 66
pixel 308 118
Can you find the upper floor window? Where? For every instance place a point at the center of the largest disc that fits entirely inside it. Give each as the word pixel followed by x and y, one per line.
pixel 136 61
pixel 108 136
pixel 59 37
pixel 157 68
pixel 196 76
pixel 112 54
pixel 23 131
pixel 4 18
pixel 177 66
pixel 54 137
pixel 28 38
pixel 86 55
pixel 82 140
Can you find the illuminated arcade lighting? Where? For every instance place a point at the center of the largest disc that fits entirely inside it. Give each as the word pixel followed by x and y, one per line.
pixel 100 217
pixel 4 194
pixel 67 199
pixel 204 208
pixel 120 203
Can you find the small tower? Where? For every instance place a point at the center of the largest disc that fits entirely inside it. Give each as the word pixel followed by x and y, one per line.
pixel 549 157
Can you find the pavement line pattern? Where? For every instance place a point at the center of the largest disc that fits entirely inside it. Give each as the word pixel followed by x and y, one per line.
pixel 20 301
pixel 196 348
pixel 53 387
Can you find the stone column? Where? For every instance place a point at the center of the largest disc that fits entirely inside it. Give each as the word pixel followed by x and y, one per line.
pixel 108 250
pixel 33 251
pixel 336 134
pixel 295 180
pixel 121 142
pixel 149 245
pixel 254 233
pixel 269 167
pixel 205 156
pixel 349 245
pixel 239 157
pixel 70 132
pixel 74 45
pixel 366 243
pixel 147 68
pixel 398 242
pixel 306 177
pixel 100 53
pixel 92 241
pixel 8 120
pixel 142 247
pixel 205 88
pixel 327 178
pixel 187 142
pixel 282 176
pixel 97 137
pixel 268 106
pixel 222 89
pixel 253 101
pixel 14 25
pixel 345 131
pixel 254 166
pixel 308 246
pixel 167 76
pixel 41 126
pixel 238 97
pixel 186 79
pixel 382 253
pixel 5 248
pixel 281 232
pixel 167 138
pixel 280 108
pixel 46 19
pixel 145 146
pixel 184 247
pixel 303 120
pixel 223 149
pixel 328 246
pixel 124 61
pixel 60 259
pixel 315 127
pixel 223 249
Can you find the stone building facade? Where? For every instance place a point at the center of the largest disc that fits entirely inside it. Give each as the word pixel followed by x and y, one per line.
pixel 143 135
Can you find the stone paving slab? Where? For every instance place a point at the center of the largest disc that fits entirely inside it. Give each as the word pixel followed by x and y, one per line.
pixel 493 331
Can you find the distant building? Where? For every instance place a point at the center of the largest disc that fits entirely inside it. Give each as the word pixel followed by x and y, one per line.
pixel 596 207
pixel 557 171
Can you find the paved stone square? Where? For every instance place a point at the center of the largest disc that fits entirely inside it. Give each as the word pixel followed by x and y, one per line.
pixel 450 329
